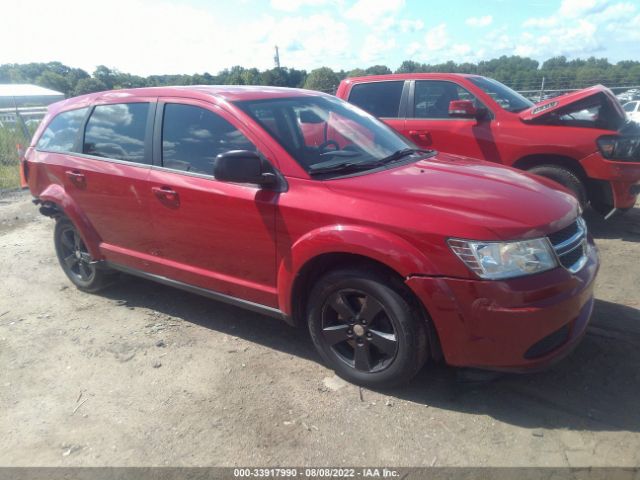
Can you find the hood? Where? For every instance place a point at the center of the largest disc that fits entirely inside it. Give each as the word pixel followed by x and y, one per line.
pixel 456 196
pixel 575 102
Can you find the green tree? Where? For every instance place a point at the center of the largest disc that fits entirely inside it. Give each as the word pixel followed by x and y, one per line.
pixel 323 79
pixel 89 85
pixel 54 81
pixel 356 72
pixel 378 70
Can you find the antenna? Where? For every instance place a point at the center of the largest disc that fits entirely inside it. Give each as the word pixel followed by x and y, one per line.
pixel 276 58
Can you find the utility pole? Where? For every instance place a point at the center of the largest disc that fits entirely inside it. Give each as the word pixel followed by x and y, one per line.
pixel 276 58
pixel 541 90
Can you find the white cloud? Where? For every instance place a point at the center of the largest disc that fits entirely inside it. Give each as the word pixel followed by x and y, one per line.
pixel 375 48
pixel 479 21
pixel 437 38
pixel 372 11
pixel 294 5
pixel 181 38
pixel 410 26
pixel 579 8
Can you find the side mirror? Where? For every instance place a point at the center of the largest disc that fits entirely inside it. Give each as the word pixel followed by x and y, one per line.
pixel 309 116
pixel 242 166
pixel 462 109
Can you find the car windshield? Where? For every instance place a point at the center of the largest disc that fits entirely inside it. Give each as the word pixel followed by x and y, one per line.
pixel 508 99
pixel 326 135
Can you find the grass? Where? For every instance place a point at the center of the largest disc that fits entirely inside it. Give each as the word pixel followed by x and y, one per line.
pixel 9 161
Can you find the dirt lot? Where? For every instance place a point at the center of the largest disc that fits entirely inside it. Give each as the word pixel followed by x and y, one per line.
pixel 142 374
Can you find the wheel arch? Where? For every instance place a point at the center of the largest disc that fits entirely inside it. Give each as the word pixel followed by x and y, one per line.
pixel 313 255
pixel 56 202
pixel 529 161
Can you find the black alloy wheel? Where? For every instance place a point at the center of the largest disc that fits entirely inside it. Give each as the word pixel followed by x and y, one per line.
pixel 358 329
pixel 366 328
pixel 75 259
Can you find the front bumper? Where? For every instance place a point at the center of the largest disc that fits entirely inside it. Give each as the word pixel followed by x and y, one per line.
pixel 519 324
pixel 624 178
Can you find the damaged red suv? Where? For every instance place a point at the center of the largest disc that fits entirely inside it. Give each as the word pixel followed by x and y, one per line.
pixel 581 140
pixel 301 206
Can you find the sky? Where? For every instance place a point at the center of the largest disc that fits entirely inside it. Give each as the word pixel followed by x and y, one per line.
pixel 147 37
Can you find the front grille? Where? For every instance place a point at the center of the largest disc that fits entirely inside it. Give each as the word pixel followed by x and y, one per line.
pixel 570 245
pixel 565 234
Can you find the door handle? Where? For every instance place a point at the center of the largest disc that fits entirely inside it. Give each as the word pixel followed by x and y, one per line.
pixel 166 195
pixel 77 178
pixel 424 135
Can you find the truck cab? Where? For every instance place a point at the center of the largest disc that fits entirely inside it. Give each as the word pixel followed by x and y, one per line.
pixel 581 140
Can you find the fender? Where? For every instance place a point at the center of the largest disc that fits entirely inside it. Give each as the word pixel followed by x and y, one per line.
pixel 57 194
pixel 384 247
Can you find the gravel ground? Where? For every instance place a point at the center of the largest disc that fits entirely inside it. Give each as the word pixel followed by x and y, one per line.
pixel 145 375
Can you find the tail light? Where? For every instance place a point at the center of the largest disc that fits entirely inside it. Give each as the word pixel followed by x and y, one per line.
pixel 24 166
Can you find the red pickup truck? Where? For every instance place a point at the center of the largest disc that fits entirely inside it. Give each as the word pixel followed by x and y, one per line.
pixel 581 140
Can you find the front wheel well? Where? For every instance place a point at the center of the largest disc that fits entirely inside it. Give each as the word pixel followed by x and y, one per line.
pixel 571 164
pixel 322 264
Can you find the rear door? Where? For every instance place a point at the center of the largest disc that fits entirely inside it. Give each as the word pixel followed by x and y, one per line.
pixel 111 178
pixel 212 234
pixel 106 173
pixel 384 99
pixel 429 125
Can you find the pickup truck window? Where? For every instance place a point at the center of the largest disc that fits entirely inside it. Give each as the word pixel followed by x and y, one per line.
pixel 117 131
pixel 381 99
pixel 508 99
pixel 432 97
pixel 61 133
pixel 193 137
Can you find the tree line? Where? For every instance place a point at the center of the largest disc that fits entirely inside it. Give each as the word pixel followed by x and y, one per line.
pixel 520 73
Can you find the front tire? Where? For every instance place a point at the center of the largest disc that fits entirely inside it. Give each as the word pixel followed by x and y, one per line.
pixel 365 330
pixel 566 178
pixel 75 260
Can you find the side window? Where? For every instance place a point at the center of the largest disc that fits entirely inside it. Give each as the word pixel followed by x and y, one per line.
pixel 432 97
pixel 381 99
pixel 62 131
pixel 630 107
pixel 192 138
pixel 117 131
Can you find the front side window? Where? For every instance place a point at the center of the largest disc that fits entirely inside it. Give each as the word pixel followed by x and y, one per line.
pixel 508 99
pixel 192 138
pixel 117 131
pixel 62 132
pixel 381 99
pixel 326 133
pixel 432 98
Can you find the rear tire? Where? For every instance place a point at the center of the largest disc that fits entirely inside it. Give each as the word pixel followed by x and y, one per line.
pixel 564 177
pixel 366 331
pixel 75 260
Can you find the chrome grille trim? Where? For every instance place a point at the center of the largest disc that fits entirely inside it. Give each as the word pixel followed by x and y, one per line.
pixel 566 248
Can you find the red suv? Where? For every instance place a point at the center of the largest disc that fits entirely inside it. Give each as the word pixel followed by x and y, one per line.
pixel 301 206
pixel 581 140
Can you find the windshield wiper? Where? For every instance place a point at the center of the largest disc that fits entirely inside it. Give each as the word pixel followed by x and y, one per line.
pixel 330 167
pixel 341 167
pixel 399 154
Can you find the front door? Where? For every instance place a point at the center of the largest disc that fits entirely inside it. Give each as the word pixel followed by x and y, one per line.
pixel 211 234
pixel 429 125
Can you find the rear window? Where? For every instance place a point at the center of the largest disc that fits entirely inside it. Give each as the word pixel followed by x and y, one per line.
pixel 117 131
pixel 62 132
pixel 381 99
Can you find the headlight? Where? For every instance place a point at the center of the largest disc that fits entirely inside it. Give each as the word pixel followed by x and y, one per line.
pixel 620 148
pixel 497 260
